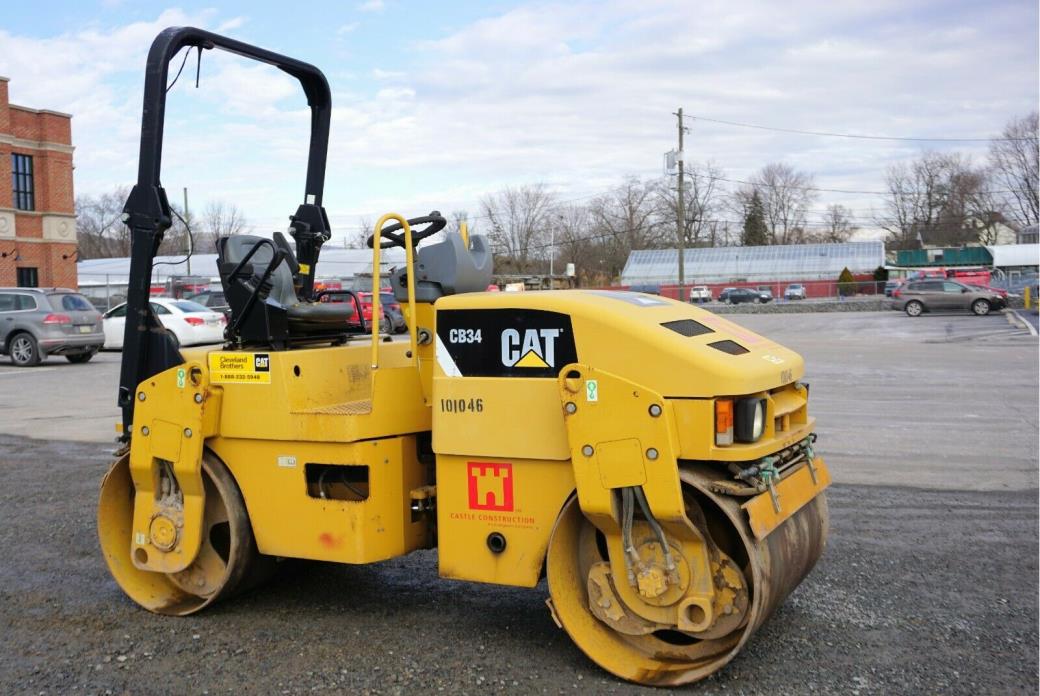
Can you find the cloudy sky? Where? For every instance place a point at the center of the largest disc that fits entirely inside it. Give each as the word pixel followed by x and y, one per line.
pixel 436 104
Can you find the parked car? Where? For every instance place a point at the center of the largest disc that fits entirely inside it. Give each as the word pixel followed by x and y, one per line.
pixel 890 286
pixel 794 291
pixel 214 299
pixel 985 288
pixel 392 320
pixel 37 322
pixel 744 295
pixel 765 293
pixel 353 323
pixel 919 296
pixel 700 293
pixel 189 322
pixel 725 294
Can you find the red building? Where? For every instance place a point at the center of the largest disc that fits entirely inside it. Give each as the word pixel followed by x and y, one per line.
pixel 37 212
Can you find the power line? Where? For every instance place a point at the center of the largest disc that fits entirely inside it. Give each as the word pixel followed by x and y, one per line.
pixel 828 190
pixel 854 135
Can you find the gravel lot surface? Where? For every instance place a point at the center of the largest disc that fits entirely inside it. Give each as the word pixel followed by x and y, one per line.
pixel 928 584
pixel 918 592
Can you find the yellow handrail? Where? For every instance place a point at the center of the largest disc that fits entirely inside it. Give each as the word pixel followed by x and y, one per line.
pixel 377 305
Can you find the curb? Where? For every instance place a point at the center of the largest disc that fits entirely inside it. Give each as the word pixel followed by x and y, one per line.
pixel 1015 319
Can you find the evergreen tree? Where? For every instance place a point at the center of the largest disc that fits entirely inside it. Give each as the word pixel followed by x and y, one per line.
pixel 846 283
pixel 755 231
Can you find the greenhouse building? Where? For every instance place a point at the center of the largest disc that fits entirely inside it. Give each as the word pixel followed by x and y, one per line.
pixel 739 264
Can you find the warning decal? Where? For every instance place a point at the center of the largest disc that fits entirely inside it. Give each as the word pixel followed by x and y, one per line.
pixel 240 368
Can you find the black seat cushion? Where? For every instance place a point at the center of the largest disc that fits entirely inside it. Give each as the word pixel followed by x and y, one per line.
pixel 305 317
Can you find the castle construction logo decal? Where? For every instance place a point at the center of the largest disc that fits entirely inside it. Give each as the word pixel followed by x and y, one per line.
pixel 490 486
pixel 504 342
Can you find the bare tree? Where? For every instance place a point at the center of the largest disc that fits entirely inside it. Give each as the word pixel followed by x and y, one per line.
pixel 358 239
pixel 625 219
pixel 99 223
pixel 1016 168
pixel 577 243
pixel 519 220
pixel 938 198
pixel 787 196
pixel 838 226
pixel 458 217
pixel 702 199
pixel 181 237
pixel 219 219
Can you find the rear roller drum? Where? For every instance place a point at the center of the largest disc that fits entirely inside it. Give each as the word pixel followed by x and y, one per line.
pixel 227 561
pixel 771 569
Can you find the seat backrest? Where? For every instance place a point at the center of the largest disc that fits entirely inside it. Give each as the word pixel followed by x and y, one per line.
pixel 233 249
pixel 290 258
pixel 447 268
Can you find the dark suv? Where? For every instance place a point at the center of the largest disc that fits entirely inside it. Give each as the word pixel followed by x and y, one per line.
pixel 37 322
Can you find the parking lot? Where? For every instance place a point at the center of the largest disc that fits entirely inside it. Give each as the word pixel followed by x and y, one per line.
pixel 928 584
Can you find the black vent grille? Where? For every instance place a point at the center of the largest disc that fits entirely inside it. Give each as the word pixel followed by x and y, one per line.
pixel 687 327
pixel 731 347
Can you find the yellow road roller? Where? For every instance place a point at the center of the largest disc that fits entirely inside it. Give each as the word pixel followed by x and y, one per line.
pixel 654 462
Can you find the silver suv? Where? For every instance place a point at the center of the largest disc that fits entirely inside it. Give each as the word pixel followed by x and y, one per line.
pixel 937 294
pixel 37 322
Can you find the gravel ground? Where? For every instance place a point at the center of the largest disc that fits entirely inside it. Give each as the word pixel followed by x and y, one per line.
pixel 918 592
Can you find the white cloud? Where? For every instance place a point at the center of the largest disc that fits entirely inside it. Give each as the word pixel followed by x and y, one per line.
pixel 578 94
pixel 381 74
pixel 573 94
pixel 371 6
pixel 229 25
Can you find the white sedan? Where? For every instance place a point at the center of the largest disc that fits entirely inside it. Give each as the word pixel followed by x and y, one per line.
pixel 190 322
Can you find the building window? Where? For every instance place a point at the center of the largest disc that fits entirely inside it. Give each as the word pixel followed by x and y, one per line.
pixel 28 278
pixel 22 178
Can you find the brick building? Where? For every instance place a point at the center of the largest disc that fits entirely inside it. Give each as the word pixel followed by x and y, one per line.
pixel 37 213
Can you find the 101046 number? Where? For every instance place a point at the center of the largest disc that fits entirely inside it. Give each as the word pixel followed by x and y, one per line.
pixel 462 405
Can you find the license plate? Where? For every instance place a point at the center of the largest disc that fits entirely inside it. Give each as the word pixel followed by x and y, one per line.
pixel 212 322
pixel 85 329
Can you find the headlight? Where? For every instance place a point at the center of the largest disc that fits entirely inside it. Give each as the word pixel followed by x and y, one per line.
pixel 749 419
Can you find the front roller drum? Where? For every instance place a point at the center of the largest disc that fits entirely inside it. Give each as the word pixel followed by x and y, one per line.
pixel 228 560
pixel 772 568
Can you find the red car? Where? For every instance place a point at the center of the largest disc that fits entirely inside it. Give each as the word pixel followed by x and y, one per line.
pixel 392 320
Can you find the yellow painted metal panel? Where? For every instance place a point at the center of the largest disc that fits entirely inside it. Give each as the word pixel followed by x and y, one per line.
pixel 792 494
pixel 289 522
pixel 620 463
pixel 170 422
pixel 517 498
pixel 312 390
pixel 516 418
pixel 625 337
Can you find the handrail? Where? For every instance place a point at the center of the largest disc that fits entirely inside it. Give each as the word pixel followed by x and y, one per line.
pixel 376 277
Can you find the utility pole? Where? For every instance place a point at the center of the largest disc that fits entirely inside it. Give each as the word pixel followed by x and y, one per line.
pixel 552 250
pixel 680 218
pixel 187 229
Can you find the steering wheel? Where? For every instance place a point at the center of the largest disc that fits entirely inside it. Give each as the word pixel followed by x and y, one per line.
pixel 435 223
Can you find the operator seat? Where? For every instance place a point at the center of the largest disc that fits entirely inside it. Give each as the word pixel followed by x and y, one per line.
pixel 446 268
pixel 277 315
